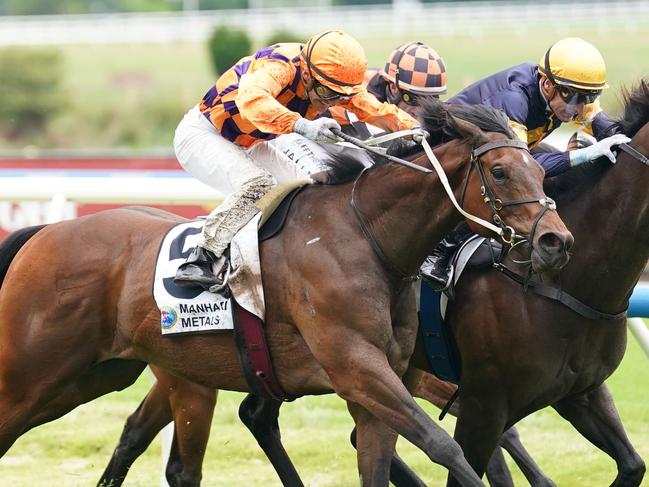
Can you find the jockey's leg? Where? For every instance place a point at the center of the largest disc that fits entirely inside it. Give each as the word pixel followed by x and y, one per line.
pixel 437 269
pixel 230 169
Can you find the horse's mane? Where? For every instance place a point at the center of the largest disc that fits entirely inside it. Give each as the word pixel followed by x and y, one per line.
pixel 438 119
pixel 636 108
pixel 634 116
pixel 344 164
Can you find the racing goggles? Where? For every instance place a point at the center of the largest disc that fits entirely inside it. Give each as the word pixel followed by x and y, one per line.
pixel 327 94
pixel 575 97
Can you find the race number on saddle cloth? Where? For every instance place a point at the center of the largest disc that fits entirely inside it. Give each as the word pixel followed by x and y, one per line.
pixel 194 310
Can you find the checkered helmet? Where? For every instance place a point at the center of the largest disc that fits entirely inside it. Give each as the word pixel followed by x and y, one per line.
pixel 416 68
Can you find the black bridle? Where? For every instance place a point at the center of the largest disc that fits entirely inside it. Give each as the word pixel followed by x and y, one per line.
pixel 496 204
pixel 488 194
pixel 558 294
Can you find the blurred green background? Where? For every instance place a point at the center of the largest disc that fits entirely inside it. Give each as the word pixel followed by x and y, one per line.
pixel 132 96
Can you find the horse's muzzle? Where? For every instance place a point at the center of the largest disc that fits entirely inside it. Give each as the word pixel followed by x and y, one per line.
pixel 551 251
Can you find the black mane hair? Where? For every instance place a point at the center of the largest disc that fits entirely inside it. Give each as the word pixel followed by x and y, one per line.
pixel 636 108
pixel 635 115
pixel 344 164
pixel 437 118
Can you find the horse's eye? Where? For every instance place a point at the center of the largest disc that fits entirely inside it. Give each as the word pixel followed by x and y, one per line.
pixel 498 173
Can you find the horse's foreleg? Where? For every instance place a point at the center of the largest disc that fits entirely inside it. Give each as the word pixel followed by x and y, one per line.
pixel 375 444
pixel 192 407
pixel 260 415
pixel 594 415
pixel 479 427
pixel 510 441
pixel 140 429
pixel 366 378
pixel 401 475
pixel 497 472
pixel 438 392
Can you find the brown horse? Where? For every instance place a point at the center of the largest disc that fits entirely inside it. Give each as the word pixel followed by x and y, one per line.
pixel 559 358
pixel 77 310
pixel 192 405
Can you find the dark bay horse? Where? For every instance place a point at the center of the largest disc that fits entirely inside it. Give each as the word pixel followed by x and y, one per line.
pixel 77 317
pixel 545 354
pixel 521 353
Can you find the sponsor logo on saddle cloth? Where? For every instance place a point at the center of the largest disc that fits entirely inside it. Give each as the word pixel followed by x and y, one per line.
pixel 187 310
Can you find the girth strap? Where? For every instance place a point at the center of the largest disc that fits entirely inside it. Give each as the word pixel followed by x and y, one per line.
pixel 557 294
pixel 254 355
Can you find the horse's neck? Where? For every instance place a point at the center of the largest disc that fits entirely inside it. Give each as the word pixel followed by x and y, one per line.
pixel 409 212
pixel 611 230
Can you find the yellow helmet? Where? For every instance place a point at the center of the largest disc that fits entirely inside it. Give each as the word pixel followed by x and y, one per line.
pixel 576 63
pixel 336 60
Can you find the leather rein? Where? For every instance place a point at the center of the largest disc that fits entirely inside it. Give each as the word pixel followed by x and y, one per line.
pixel 508 234
pixel 558 294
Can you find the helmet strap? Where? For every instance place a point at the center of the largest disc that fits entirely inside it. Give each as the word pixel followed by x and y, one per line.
pixel 310 65
pixel 548 71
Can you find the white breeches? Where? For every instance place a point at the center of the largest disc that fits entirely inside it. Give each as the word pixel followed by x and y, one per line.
pixel 242 175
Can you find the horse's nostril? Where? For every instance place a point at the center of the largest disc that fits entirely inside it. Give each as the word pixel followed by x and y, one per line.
pixel 551 241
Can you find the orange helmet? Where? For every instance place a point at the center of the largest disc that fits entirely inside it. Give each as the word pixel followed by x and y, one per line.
pixel 336 60
pixel 416 68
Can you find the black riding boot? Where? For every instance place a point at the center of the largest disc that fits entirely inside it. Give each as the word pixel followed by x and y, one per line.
pixel 436 269
pixel 201 269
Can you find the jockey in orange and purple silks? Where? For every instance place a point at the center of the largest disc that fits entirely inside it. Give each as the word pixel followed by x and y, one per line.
pixel 230 141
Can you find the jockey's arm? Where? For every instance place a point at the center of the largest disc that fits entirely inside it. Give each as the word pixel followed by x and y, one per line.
pixel 257 95
pixel 551 162
pixel 384 115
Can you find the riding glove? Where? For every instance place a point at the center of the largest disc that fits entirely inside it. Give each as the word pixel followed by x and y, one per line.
pixel 419 134
pixel 601 148
pixel 318 130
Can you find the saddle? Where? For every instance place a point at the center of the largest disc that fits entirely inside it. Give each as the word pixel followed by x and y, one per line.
pixel 476 253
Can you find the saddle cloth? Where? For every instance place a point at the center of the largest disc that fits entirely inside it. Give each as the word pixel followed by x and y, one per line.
pixel 193 310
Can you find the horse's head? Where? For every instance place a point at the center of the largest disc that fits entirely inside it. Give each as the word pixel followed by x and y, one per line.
pixel 503 184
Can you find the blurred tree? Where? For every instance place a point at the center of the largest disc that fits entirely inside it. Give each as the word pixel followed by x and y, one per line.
pixel 31 89
pixel 222 4
pixel 280 36
pixel 227 45
pixel 49 7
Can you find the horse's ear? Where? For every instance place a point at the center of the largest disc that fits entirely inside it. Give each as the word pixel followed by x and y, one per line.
pixel 468 130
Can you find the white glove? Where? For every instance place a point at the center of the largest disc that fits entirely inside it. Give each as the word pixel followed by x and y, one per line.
pixel 318 130
pixel 419 134
pixel 598 149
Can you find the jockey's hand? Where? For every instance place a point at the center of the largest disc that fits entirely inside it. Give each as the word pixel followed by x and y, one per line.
pixel 599 149
pixel 318 130
pixel 578 141
pixel 419 134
